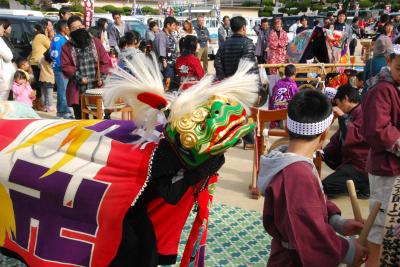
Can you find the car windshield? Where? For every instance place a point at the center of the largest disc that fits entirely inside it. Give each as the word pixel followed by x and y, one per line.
pixel 137 26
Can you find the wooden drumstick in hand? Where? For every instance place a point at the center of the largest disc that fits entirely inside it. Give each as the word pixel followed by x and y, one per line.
pixel 354 201
pixel 369 222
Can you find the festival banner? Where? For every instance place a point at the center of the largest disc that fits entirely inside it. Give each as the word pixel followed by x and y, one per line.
pixel 88 6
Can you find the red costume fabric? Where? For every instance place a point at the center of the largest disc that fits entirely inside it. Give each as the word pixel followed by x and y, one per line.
pixel 381 127
pixel 189 69
pixel 354 149
pixel 297 213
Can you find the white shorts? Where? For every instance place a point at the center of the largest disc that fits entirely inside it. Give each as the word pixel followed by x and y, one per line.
pixel 380 190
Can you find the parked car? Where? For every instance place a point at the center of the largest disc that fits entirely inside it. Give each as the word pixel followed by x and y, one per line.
pixel 21 12
pixel 133 22
pixel 22 32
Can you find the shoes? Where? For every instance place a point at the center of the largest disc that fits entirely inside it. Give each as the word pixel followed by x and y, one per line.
pixel 66 116
pixel 49 109
pixel 247 146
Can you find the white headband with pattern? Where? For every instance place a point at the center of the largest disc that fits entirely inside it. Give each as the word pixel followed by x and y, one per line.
pixel 330 92
pixel 309 128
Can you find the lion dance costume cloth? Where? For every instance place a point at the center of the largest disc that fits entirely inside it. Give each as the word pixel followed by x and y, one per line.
pixel 118 193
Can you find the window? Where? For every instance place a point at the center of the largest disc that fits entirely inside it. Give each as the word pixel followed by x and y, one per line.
pixel 18 38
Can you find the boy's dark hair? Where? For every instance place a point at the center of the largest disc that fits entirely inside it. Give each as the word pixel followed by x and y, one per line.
pixel 38 29
pixel 20 75
pixel 45 22
pixel 304 17
pixel 72 19
pixel 355 20
pixel 95 31
pixel 101 23
pixel 290 70
pixel 115 13
pixel 360 76
pixel 237 23
pixel 264 20
pixel 316 23
pixel 342 12
pixel 188 44
pixel 132 37
pixel 143 45
pixel 384 18
pixel 152 24
pixel 20 61
pixel 169 20
pixel 329 14
pixel 60 25
pixel 308 106
pixel 122 42
pixel 349 91
pixel 63 11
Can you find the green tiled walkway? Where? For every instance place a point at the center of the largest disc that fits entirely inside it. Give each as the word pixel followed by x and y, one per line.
pixel 235 238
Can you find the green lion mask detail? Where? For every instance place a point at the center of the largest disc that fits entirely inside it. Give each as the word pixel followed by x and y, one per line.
pixel 209 130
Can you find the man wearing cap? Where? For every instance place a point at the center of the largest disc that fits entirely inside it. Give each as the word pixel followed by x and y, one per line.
pixel 381 129
pixel 347 150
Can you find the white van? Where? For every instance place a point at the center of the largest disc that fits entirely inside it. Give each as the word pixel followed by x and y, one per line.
pixel 133 22
pixel 21 12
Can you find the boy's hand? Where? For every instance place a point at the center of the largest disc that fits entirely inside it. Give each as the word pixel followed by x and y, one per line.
pixel 338 112
pixel 352 227
pixel 360 255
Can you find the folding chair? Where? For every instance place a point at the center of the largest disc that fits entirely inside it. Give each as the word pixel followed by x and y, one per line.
pixel 261 117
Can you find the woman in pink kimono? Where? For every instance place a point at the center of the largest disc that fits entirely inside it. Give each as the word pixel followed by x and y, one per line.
pixel 277 45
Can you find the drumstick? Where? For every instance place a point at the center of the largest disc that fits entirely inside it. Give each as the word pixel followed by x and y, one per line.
pixel 368 224
pixel 354 200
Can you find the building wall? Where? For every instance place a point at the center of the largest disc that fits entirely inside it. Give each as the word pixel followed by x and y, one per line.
pixel 244 12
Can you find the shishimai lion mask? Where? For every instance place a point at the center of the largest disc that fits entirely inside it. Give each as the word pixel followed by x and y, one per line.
pixel 202 121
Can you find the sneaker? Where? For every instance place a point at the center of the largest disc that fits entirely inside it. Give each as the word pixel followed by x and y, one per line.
pixel 49 109
pixel 68 116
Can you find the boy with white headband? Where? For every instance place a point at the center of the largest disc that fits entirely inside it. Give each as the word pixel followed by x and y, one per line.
pixel 302 222
pixel 381 129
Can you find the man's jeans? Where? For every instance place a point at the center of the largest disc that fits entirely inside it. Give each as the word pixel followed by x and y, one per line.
pixel 62 82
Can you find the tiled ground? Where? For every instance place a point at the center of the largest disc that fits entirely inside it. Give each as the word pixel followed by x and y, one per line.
pixel 236 238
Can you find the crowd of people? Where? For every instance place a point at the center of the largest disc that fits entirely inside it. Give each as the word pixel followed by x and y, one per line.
pixel 366 147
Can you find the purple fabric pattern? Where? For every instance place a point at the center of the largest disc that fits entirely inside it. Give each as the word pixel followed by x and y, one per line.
pixel 282 93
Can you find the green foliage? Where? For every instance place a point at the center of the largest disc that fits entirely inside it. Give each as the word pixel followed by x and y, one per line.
pixel 266 12
pixel 396 7
pixel 293 11
pixel 317 7
pixel 268 3
pixel 4 3
pixel 150 11
pixel 127 10
pixel 332 1
pixel 250 4
pixel 26 2
pixel 111 9
pixel 77 8
pixel 366 4
pixel 282 10
pixel 99 10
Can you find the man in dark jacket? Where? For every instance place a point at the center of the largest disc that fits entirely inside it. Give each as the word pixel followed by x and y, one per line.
pixel 235 48
pixel 229 54
pixel 347 150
